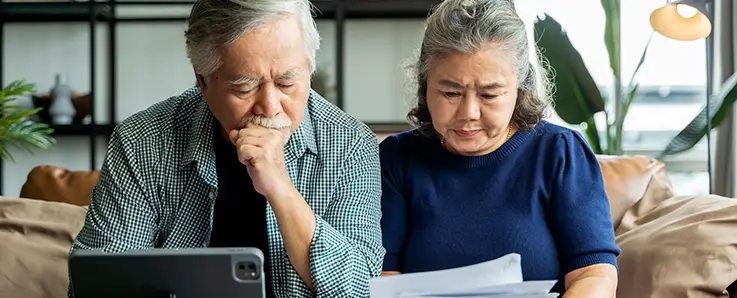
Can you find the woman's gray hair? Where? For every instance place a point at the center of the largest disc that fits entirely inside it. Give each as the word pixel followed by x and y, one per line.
pixel 465 26
pixel 213 24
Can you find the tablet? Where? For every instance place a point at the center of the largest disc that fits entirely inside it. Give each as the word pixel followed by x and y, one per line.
pixel 168 273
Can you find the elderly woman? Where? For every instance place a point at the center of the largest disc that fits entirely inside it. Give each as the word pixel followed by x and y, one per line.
pixel 483 175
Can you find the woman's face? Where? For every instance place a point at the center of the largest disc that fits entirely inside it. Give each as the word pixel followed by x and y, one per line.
pixel 471 98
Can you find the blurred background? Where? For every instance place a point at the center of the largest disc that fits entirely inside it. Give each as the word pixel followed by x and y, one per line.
pixel 120 59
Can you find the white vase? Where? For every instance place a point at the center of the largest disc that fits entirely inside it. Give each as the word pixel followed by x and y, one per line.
pixel 62 109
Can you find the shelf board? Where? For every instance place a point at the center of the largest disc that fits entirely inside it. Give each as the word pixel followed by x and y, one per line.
pixel 82 129
pixel 388 9
pixel 324 9
pixel 36 12
pixel 376 9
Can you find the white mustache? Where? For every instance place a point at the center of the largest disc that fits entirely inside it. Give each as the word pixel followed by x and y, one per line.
pixel 279 122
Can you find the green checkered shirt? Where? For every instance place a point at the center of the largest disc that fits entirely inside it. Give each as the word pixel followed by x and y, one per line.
pixel 158 186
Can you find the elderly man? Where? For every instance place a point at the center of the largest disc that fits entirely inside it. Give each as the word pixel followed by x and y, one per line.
pixel 251 157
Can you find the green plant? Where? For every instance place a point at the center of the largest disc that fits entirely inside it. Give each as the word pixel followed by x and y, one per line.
pixel 578 98
pixel 15 127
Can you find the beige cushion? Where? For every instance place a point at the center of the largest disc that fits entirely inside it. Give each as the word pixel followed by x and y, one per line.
pixel 677 246
pixel 35 238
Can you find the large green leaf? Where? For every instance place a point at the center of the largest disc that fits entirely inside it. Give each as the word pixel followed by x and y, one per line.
pixel 612 35
pixel 720 105
pixel 577 97
pixel 592 135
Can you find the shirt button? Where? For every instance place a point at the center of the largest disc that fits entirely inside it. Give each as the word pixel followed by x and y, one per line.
pixel 211 195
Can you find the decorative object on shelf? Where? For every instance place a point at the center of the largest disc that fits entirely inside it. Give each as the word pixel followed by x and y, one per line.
pixel 16 129
pixel 578 98
pixel 62 109
pixel 320 82
pixel 80 101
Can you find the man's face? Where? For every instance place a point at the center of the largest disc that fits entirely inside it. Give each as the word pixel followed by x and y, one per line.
pixel 264 79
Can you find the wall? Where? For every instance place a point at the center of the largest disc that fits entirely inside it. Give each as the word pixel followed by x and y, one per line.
pixel 152 66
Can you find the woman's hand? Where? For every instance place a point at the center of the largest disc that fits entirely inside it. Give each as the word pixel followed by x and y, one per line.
pixel 594 281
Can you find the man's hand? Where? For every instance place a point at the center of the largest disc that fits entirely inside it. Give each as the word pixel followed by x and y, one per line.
pixel 262 151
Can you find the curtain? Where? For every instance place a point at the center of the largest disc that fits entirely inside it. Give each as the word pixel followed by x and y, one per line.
pixel 723 66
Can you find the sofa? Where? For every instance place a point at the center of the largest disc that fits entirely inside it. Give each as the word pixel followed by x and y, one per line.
pixel 672 245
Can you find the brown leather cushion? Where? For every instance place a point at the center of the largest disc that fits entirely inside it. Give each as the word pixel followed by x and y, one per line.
pixel 627 177
pixel 35 238
pixel 57 184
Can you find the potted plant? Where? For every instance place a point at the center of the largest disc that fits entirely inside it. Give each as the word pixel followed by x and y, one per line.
pixel 578 98
pixel 16 129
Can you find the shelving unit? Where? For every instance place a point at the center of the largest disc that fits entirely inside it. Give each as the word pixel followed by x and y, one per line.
pixel 104 13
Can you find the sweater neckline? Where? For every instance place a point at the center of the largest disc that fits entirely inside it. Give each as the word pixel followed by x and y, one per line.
pixel 485 160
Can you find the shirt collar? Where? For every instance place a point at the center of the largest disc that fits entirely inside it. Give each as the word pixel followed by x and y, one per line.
pixel 303 139
pixel 199 139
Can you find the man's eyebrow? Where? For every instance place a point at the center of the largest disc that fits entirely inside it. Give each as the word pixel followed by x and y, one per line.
pixel 243 81
pixel 289 75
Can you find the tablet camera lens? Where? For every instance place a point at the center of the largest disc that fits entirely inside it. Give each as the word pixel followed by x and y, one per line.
pixel 247 271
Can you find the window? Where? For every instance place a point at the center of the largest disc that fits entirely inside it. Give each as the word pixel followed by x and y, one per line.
pixel 672 79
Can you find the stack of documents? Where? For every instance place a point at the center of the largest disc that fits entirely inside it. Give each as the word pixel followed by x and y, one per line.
pixel 497 278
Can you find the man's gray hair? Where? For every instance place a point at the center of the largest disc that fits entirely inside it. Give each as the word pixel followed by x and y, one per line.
pixel 465 26
pixel 213 24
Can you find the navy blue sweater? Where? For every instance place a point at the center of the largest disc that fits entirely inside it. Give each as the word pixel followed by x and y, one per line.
pixel 541 195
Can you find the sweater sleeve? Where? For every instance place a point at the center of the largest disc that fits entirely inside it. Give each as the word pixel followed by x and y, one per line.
pixel 393 207
pixel 580 219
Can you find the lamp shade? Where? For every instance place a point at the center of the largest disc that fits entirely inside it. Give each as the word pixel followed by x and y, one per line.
pixel 683 20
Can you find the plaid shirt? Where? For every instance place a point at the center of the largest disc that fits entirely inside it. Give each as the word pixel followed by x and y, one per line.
pixel 158 186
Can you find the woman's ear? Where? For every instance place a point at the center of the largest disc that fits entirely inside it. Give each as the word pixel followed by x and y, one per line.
pixel 201 81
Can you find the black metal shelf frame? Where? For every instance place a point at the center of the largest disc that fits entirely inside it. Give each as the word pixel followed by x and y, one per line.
pixel 94 12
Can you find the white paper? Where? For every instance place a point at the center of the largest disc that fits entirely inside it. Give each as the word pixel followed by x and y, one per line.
pixel 551 295
pixel 500 277
pixel 534 288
